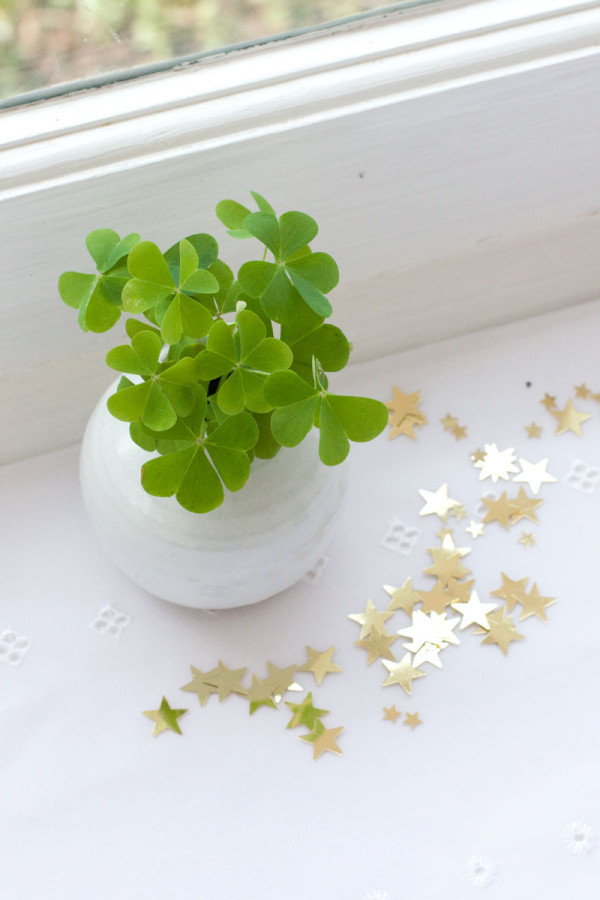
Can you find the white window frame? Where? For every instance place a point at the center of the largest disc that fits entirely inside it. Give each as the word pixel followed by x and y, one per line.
pixel 449 153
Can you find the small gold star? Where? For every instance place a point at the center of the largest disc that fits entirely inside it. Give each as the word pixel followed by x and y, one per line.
pixel 391 714
pixel 459 432
pixel 449 422
pixel 460 590
pixel 378 645
pixel 412 720
pixel 535 605
pixel 477 456
pixel 444 532
pixel 569 419
pixel 501 631
pixel 320 663
pixel 165 718
pixel 280 680
pixel 437 502
pixel 446 565
pixel 582 391
pixel 228 681
pixel 475 529
pixel 595 397
pixel 548 401
pixel 203 684
pixel 474 612
pixel 402 673
pixel 260 695
pixel 305 713
pixel 402 598
pixel 527 539
pixel 512 592
pixel 371 620
pixel 533 430
pixel 499 510
pixel 437 599
pixel 323 739
pixel 524 507
pixel 404 413
pixel 458 512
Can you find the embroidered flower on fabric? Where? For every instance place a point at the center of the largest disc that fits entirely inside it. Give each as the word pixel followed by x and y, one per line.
pixel 400 537
pixel 583 477
pixel 480 871
pixel 111 621
pixel 317 570
pixel 13 647
pixel 580 838
pixel 377 895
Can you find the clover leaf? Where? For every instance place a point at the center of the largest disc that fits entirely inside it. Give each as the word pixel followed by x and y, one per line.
pixel 165 392
pixel 196 471
pixel 152 287
pixel 98 297
pixel 245 357
pixel 299 406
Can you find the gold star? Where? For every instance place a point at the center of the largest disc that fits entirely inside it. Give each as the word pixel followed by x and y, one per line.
pixel 512 592
pixel 595 397
pixel 502 631
pixel 477 456
pixel 499 510
pixel 372 620
pixel 203 684
pixel 548 401
pixel 535 605
pixel 435 600
pixel 323 739
pixel 280 680
pixel 496 463
pixel 260 695
pixel 474 612
pixel 460 590
pixel 412 720
pixel 228 681
pixel 437 502
pixel 582 391
pixel 458 512
pixel 404 413
pixel 533 430
pixel 378 645
pixel 527 539
pixel 459 432
pixel 165 718
pixel 524 507
pixel 391 714
pixel 305 713
pixel 449 422
pixel 402 673
pixel 446 565
pixel 475 529
pixel 319 663
pixel 403 597
pixel 448 544
pixel 534 474
pixel 444 532
pixel 569 419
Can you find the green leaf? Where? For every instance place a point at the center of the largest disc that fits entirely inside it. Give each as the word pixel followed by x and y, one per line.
pixel 181 372
pixel 140 296
pixel 232 465
pixel 147 263
pixel 297 230
pixel 232 214
pixel 238 432
pixel 212 365
pixel 263 204
pixel 180 396
pixel 230 395
pixel 162 476
pixel 333 443
pixel 134 326
pixel 361 418
pixel 201 282
pixel 183 315
pixel 129 402
pixel 251 331
pixel 290 424
pixel 317 301
pixel 220 341
pixel 98 313
pixel 158 413
pixel 270 356
pixel 123 248
pixel 255 277
pixel 100 244
pixel 265 227
pixel 140 436
pixel 201 489
pixel 328 343
pixel 188 261
pixel 280 298
pixel 225 297
pixel 266 446
pixel 76 288
pixel 319 269
pixel 283 388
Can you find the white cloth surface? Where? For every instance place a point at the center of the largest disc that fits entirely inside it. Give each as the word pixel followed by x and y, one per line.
pixel 508 753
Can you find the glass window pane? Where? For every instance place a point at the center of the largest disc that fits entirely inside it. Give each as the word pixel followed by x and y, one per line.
pixel 49 43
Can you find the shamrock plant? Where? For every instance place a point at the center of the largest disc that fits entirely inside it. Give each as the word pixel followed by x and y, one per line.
pixel 223 370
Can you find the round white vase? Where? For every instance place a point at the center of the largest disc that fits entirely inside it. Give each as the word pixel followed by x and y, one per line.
pixel 260 541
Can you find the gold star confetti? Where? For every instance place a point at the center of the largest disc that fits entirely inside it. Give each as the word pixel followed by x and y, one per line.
pixel 535 605
pixel 259 695
pixel 569 419
pixel 534 474
pixel 444 532
pixel 402 673
pixel 391 714
pixel 448 544
pixel 323 739
pixel 499 510
pixel 446 565
pixel 460 590
pixel 524 507
pixel 429 633
pixel 280 680
pixel 527 539
pixel 412 720
pixel 501 631
pixel 460 432
pixel 165 718
pixel 496 463
pixel 404 413
pixel 437 599
pixel 305 713
pixel 203 684
pixel 512 592
pixel 403 597
pixel 475 529
pixel 459 512
pixel 548 401
pixel 377 645
pixel 449 422
pixel 582 391
pixel 319 663
pixel 533 430
pixel 228 681
pixel 437 502
pixel 474 612
pixel 477 456
pixel 372 620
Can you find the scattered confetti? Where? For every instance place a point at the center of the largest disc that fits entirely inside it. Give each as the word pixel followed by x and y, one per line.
pixel 496 463
pixel 323 739
pixel 404 413
pixel 378 645
pixel 165 718
pixel 13 647
pixel 305 713
pixel 582 391
pixel 533 430
pixel 402 673
pixel 580 838
pixel 535 605
pixel 534 474
pixel 474 612
pixel 403 597
pixel 549 402
pixel 437 502
pixel 372 620
pixel 400 538
pixel 527 539
pixel 412 720
pixel 319 663
pixel 475 529
pixel 583 477
pixel 569 419
pixel 451 424
pixel 111 621
pixel 391 714
pixel 501 631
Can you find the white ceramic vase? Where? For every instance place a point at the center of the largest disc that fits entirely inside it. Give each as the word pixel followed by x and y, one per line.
pixel 261 540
